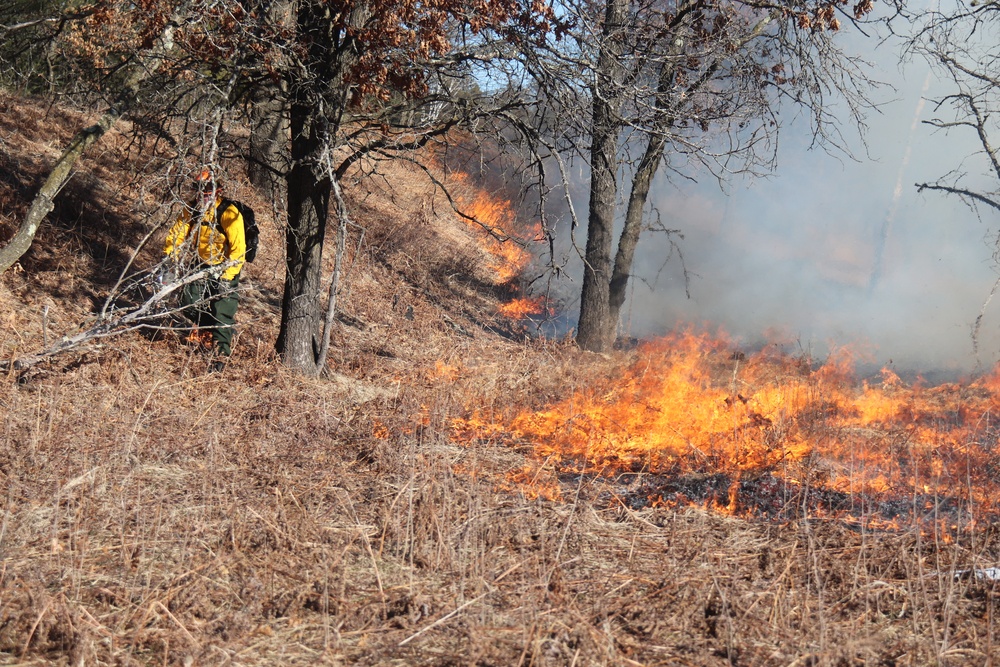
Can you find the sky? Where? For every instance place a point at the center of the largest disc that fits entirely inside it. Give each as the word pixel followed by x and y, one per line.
pixel 832 253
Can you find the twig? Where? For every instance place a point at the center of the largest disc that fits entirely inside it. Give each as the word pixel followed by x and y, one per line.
pixel 443 618
pixel 458 609
pixel 34 626
pixel 179 624
pixel 569 522
pixel 979 319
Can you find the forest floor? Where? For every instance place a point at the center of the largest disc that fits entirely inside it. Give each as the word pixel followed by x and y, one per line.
pixel 156 514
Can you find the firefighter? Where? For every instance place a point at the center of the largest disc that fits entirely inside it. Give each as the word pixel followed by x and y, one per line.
pixel 211 302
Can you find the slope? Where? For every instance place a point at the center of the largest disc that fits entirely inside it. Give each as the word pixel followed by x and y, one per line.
pixel 153 514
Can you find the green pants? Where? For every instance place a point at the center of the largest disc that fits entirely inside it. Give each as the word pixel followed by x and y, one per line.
pixel 211 304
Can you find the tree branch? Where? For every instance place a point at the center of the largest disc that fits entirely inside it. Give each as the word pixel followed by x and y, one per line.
pixel 120 322
pixel 962 192
pixel 144 66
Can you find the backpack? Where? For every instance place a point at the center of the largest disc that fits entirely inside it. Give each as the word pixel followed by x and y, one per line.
pixel 250 228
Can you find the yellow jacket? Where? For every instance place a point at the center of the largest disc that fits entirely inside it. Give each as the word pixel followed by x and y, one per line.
pixel 214 247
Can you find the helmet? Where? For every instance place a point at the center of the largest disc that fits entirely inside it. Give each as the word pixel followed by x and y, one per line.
pixel 205 180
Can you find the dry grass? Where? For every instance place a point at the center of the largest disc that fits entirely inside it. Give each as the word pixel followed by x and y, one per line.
pixel 152 514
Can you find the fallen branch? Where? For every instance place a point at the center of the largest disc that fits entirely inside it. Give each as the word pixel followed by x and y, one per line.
pixel 118 321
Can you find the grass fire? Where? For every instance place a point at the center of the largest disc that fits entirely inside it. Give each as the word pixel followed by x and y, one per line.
pixel 453 491
pixel 767 434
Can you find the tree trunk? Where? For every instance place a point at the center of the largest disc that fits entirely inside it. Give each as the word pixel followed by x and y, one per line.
pixel 596 329
pixel 308 184
pixel 315 113
pixel 44 201
pixel 629 239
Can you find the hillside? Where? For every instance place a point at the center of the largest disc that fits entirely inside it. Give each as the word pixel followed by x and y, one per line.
pixel 403 510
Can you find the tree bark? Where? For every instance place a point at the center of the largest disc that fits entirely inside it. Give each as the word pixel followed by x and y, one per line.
pixel 144 66
pixel 629 240
pixel 308 186
pixel 596 329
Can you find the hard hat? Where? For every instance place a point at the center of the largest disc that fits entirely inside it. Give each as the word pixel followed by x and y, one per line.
pixel 205 181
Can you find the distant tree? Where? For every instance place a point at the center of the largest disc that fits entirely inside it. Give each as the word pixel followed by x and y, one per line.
pixel 683 87
pixel 960 43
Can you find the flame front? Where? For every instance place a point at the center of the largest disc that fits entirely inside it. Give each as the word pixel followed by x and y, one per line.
pixel 493 222
pixel 504 240
pixel 522 308
pixel 689 406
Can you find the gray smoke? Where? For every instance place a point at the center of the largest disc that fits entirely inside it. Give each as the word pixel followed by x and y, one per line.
pixel 832 252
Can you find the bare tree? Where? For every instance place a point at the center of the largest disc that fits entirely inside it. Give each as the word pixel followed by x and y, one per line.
pixel 961 45
pixel 683 88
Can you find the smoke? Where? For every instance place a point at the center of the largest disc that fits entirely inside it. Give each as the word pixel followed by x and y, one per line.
pixel 834 253
pixel 830 252
pixel 897 192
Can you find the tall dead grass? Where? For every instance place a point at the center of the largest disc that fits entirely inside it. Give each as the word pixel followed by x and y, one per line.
pixel 155 515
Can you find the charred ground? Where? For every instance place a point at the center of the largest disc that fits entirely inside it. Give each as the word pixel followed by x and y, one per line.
pixel 153 514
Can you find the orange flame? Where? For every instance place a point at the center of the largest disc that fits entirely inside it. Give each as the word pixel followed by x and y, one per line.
pixel 444 372
pixel 534 481
pixel 687 406
pixel 522 308
pixel 494 223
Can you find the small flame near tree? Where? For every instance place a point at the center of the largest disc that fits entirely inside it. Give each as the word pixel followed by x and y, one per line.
pixel 524 307
pixel 768 434
pixel 495 226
